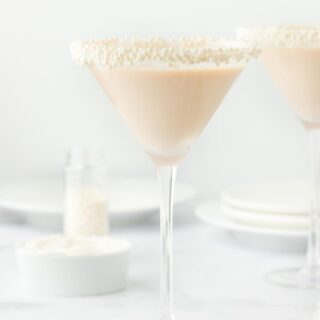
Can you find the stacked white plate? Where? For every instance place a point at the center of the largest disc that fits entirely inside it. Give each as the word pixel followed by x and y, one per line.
pixel 276 209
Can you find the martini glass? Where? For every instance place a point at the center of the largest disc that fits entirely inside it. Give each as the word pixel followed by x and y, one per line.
pixel 291 55
pixel 166 90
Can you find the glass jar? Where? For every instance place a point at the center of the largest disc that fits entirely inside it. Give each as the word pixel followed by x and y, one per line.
pixel 86 205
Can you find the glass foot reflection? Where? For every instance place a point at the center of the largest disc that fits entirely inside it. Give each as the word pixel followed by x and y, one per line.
pixel 305 278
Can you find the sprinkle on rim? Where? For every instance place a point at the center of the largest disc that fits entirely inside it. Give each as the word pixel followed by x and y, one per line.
pixel 290 36
pixel 120 52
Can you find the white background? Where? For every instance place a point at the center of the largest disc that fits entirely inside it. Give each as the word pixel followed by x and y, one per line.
pixel 48 104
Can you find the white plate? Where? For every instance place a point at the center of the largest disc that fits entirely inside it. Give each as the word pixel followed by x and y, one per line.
pixel 290 197
pixel 262 238
pixel 266 219
pixel 128 198
pixel 211 213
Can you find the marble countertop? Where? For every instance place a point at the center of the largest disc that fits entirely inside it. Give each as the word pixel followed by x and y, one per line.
pixel 215 277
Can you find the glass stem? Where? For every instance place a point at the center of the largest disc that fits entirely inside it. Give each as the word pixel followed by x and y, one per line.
pixel 167 179
pixel 313 240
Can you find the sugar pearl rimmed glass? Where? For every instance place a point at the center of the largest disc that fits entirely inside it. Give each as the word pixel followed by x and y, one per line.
pixel 166 90
pixel 291 55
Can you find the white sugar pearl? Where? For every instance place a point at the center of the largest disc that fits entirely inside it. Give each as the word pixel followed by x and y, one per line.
pixel 188 51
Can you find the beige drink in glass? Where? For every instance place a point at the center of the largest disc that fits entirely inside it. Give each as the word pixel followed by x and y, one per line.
pixel 291 55
pixel 166 90
pixel 296 71
pixel 166 109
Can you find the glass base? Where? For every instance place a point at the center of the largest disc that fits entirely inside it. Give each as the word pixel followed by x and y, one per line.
pixel 304 278
pixel 170 317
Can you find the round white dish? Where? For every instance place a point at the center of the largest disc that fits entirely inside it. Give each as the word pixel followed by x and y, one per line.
pixel 288 197
pixel 266 237
pixel 265 219
pixel 74 275
pixel 42 199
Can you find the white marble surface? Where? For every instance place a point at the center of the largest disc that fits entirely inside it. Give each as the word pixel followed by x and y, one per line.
pixel 215 277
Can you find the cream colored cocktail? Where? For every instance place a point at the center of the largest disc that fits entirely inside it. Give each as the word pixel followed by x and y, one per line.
pixel 296 71
pixel 166 90
pixel 166 108
pixel 291 55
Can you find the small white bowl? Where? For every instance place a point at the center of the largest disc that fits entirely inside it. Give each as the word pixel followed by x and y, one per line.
pixel 74 275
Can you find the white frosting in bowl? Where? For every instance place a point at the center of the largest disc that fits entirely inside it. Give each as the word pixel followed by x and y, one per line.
pixel 78 266
pixel 74 246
